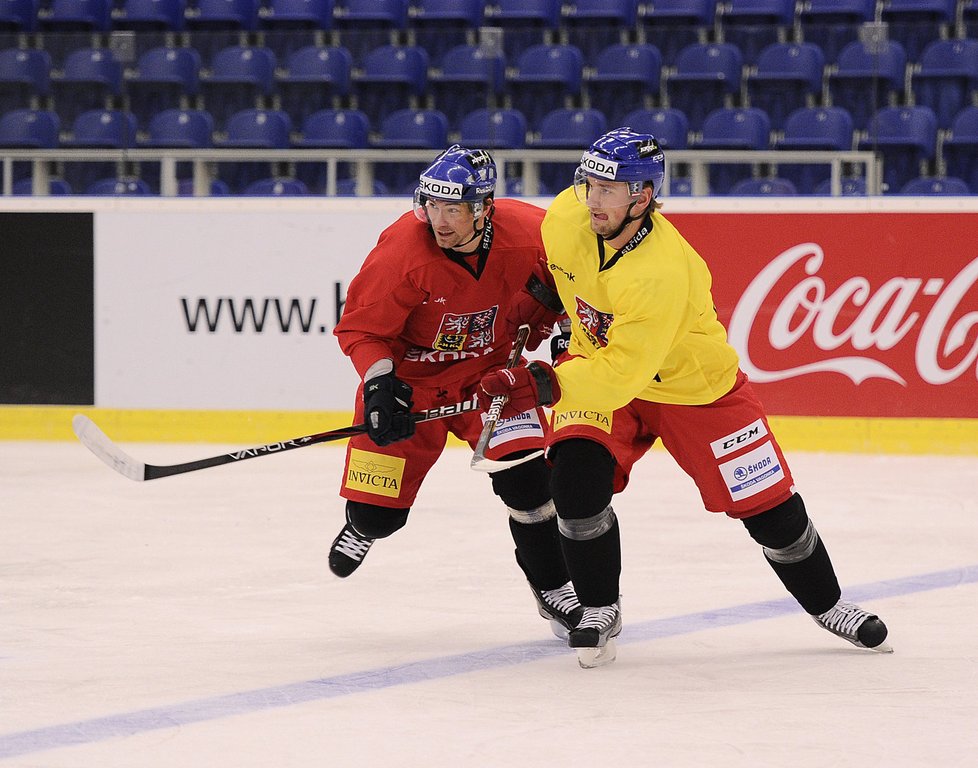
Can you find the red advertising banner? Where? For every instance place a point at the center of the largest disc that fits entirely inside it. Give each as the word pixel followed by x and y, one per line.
pixel 858 314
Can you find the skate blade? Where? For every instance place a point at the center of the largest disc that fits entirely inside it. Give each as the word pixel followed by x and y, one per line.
pixel 559 630
pixel 589 658
pixel 883 647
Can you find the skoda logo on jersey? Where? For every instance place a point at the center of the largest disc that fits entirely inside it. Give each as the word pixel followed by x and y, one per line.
pixel 599 166
pixel 448 190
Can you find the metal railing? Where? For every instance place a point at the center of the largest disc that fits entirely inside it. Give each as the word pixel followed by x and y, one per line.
pixel 204 164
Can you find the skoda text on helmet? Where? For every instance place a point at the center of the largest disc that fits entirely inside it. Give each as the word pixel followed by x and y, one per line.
pixel 622 155
pixel 457 175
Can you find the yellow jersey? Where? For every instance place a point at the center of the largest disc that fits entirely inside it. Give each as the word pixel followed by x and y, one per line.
pixel 643 323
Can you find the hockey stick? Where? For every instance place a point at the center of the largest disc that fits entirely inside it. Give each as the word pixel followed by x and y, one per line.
pixel 99 443
pixel 479 461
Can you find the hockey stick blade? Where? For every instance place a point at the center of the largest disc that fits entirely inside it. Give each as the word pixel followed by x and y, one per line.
pixel 102 446
pixel 479 461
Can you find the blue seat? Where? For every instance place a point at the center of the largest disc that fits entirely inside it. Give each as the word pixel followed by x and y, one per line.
pixel 707 77
pixel 915 23
pixel 409 129
pixel 164 78
pixel 493 129
pixel 280 186
pixel 470 77
pixel 240 78
pixel 763 188
pixel 367 24
pixel 24 78
pixel 935 185
pixel 334 129
pixel 866 79
pixel 671 25
pixel 570 129
pixel 960 148
pixel 669 126
pixel 18 16
pixel 969 18
pixel 820 129
pixel 906 137
pixel 213 25
pixel 119 186
pixel 348 188
pixel 393 78
pixel 833 24
pixel 852 186
pixel 289 25
pixel 516 187
pixel 440 25
pixel 92 79
pixel 593 26
pixel 56 186
pixel 788 76
pixel 77 16
pixel 29 129
pixel 734 128
pixel 151 15
pixel 546 77
pixel 183 128
pixel 525 23
pixel 217 188
pixel 624 78
pixel 315 78
pixel 752 25
pixel 947 77
pixel 98 129
pixel 254 129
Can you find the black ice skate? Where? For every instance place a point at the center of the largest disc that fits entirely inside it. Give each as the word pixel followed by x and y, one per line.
pixel 594 635
pixel 852 623
pixel 560 606
pixel 347 551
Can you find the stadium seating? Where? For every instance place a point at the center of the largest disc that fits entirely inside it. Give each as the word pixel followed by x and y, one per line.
pixel 624 78
pixel 164 78
pixel 493 129
pixel 330 129
pixel 98 129
pixel 24 78
pixel 867 79
pixel 440 25
pixel 314 78
pixel 946 78
pixel 289 25
pixel 470 77
pixel 906 137
pixel 525 23
pixel 118 186
pixel 707 77
pixel 820 129
pixel 960 148
pixel 409 129
pixel 181 128
pixel 851 186
pixel 56 186
pixel 282 186
pixel 240 77
pixel 29 129
pixel 752 25
pixel 733 128
pixel 935 185
pixel 393 78
pixel 833 24
pixel 669 126
pixel 671 25
pixel 368 24
pixel 254 129
pixel 763 187
pixel 914 23
pixel 593 26
pixel 214 25
pixel 92 79
pixel 567 129
pixel 18 16
pixel 788 76
pixel 546 77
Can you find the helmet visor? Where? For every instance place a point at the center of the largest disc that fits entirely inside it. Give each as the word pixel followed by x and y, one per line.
pixel 596 192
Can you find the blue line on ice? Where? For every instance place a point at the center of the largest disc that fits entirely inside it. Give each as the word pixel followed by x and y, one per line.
pixel 157 718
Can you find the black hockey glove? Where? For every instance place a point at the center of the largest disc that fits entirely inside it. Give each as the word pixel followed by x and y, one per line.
pixel 560 341
pixel 387 407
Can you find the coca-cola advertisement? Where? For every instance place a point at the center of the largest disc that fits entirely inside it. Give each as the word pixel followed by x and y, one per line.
pixel 871 314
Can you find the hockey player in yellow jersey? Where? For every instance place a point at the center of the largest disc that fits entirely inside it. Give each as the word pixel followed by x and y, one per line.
pixel 647 360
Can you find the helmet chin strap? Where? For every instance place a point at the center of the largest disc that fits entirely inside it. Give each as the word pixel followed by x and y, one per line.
pixel 629 219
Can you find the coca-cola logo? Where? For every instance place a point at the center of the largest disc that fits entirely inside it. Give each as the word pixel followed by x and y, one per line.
pixel 856 315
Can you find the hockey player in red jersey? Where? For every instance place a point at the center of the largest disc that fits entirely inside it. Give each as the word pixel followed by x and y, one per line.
pixel 424 320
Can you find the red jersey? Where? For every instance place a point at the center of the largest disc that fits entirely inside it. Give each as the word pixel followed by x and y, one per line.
pixel 440 316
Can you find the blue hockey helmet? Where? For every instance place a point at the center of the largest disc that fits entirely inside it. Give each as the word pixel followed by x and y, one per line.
pixel 623 155
pixel 460 175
